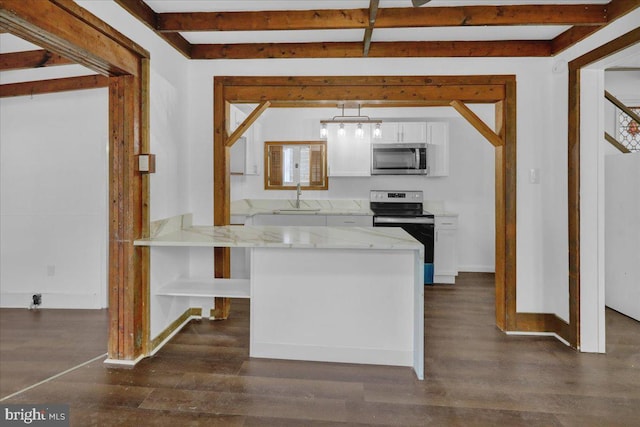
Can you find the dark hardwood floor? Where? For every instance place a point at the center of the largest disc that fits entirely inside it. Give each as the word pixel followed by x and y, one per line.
pixel 475 375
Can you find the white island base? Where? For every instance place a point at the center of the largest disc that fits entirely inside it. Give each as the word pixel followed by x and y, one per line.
pixel 354 306
pixel 317 293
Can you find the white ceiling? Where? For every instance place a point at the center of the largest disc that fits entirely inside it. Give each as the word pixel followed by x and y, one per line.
pixel 530 32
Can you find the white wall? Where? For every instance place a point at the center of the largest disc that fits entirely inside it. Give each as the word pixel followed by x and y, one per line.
pixel 468 190
pixel 54 199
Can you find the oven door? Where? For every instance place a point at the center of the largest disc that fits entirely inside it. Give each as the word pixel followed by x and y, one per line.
pixel 420 228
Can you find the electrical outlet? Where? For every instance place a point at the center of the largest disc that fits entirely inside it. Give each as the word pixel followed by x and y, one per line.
pixel 51 270
pixel 36 300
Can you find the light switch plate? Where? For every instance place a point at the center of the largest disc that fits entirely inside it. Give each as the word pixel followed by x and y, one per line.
pixel 147 163
pixel 534 176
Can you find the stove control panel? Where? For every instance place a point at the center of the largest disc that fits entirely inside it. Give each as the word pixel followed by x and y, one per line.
pixel 395 196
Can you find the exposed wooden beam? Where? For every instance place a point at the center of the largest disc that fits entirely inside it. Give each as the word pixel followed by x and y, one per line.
pixel 246 124
pixel 570 37
pixel 482 49
pixel 48 25
pixel 53 85
pixel 85 16
pixel 264 20
pixel 31 59
pixel 616 45
pixel 614 9
pixel 366 104
pixel 373 12
pixel 477 123
pixel 618 8
pixel 427 93
pixel 148 16
pixel 545 14
pixel 586 14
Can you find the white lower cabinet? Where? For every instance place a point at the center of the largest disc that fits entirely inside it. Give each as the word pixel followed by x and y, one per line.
pixel 349 221
pixel 445 256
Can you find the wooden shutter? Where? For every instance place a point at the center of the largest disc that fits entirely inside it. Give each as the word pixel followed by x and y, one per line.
pixel 316 165
pixel 275 165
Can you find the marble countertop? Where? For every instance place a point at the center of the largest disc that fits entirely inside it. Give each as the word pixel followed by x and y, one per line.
pixel 250 207
pixel 285 237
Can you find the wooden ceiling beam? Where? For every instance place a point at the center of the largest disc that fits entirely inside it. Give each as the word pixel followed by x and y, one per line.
pixel 585 14
pixel 508 48
pixel 545 14
pixel 351 81
pixel 362 104
pixel 264 20
pixel 614 9
pixel 341 94
pixel 31 59
pixel 570 37
pixel 373 13
pixel 149 17
pixel 51 26
pixel 53 85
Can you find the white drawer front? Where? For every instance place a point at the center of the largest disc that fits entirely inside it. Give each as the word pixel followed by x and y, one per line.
pixel 349 221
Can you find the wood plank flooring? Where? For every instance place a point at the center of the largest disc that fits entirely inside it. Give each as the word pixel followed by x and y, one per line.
pixel 475 376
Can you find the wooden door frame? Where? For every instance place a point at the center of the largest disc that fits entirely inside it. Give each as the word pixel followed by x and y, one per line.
pixel 94 44
pixel 316 91
pixel 573 173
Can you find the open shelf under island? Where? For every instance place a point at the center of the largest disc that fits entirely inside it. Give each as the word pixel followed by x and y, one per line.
pixel 335 294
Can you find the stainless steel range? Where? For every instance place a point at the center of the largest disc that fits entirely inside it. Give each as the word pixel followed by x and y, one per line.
pixel 404 209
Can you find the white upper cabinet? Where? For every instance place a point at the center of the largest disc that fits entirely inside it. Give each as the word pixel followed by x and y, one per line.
pixel 346 154
pixel 246 153
pixel 403 132
pixel 438 148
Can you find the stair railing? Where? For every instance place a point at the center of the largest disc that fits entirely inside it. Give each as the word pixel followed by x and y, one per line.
pixel 634 123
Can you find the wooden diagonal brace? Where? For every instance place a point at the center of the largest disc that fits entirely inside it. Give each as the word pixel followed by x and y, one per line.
pixel 477 123
pixel 247 123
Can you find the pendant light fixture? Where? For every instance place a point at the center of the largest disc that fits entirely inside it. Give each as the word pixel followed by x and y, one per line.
pixel 358 120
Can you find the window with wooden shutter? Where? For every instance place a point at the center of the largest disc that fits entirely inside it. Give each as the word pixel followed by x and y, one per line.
pixel 289 163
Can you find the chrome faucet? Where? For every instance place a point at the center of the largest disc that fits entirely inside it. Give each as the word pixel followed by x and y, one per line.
pixel 298 193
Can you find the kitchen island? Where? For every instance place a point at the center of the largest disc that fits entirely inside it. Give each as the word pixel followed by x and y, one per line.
pixel 352 295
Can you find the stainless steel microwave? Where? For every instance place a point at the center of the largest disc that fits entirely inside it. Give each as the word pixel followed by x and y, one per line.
pixel 399 159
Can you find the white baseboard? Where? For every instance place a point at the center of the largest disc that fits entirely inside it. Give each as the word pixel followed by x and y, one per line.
pixel 123 363
pixel 540 334
pixel 62 301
